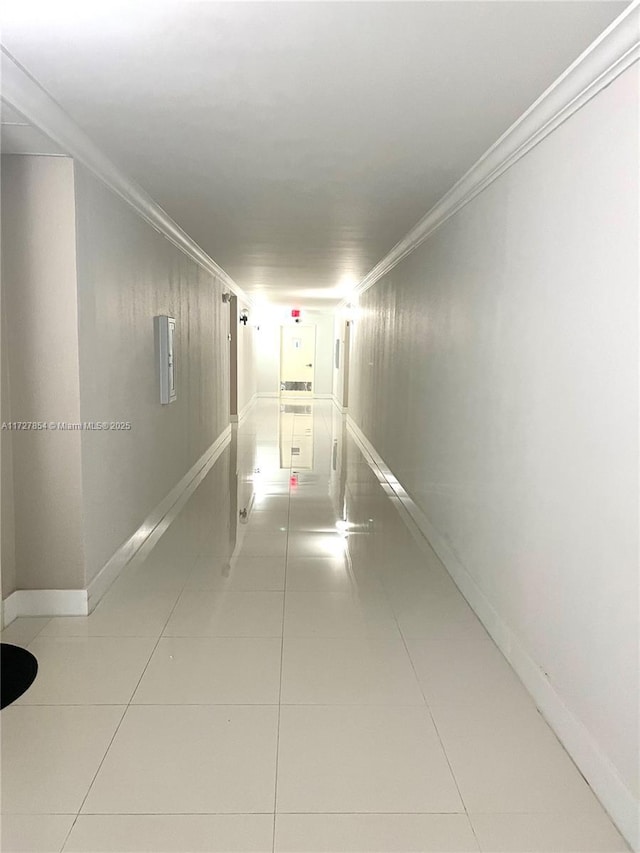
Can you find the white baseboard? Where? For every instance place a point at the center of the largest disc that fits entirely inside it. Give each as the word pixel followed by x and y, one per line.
pixel 44 602
pixel 157 521
pixel 323 396
pixel 80 602
pixel 245 409
pixel 338 405
pixel 268 394
pixel 596 767
pixel 9 610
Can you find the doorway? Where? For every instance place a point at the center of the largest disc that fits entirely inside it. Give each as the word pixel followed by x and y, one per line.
pixel 297 358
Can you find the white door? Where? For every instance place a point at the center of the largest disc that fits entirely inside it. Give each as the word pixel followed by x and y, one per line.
pixel 297 354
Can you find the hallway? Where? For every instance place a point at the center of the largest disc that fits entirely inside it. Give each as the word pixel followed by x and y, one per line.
pixel 319 400
pixel 290 668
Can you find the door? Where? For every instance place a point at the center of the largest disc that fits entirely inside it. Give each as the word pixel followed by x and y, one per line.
pixel 297 356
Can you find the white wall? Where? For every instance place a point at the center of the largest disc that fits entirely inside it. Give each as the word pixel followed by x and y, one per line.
pixel 324 352
pixel 268 349
pixel 127 274
pixel 83 278
pixel 41 469
pixel 268 357
pixel 7 513
pixel 495 370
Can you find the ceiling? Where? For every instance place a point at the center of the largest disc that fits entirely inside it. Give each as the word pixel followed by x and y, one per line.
pixel 298 142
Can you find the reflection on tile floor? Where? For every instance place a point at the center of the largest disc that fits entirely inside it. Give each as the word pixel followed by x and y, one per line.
pixel 287 670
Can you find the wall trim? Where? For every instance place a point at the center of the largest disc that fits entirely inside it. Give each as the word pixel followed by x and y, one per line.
pixel 24 94
pixel 268 394
pixel 323 396
pixel 336 402
pixel 612 53
pixel 81 602
pixel 9 610
pixel 157 521
pixel 247 406
pixel 595 766
pixel 45 602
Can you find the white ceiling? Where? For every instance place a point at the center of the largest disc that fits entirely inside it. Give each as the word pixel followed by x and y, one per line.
pixel 297 142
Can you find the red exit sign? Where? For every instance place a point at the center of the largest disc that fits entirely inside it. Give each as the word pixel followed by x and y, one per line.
pixel 295 312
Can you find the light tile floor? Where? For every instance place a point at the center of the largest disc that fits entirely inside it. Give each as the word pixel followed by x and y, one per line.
pixel 305 677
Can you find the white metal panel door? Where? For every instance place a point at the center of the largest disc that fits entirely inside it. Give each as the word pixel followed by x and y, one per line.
pixel 297 355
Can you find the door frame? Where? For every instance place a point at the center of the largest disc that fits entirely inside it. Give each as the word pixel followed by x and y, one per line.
pixel 346 353
pixel 233 358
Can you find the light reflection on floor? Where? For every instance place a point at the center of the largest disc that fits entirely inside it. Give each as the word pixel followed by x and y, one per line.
pixel 290 669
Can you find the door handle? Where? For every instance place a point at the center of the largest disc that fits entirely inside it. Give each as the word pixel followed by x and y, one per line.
pixel 308 365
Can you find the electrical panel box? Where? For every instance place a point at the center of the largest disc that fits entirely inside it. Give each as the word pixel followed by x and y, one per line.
pixel 166 330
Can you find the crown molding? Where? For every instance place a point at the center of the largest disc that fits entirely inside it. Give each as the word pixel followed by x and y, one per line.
pixel 23 93
pixel 615 50
pixel 612 53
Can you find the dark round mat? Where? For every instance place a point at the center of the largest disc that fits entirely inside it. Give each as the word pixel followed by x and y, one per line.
pixel 18 669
